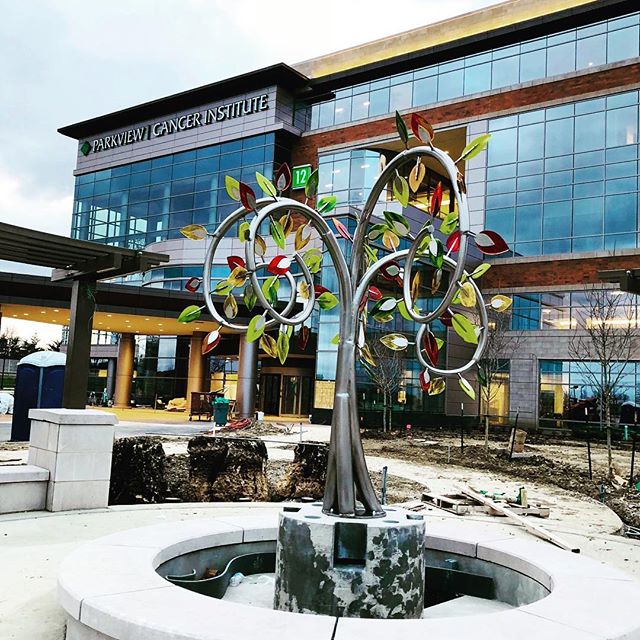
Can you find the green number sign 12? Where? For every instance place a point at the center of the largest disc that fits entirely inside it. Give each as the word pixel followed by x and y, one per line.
pixel 300 175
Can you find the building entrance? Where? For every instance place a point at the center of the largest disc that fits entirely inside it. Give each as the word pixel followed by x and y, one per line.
pixel 287 394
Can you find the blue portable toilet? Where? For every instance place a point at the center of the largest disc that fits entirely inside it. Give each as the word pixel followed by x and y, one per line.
pixel 39 383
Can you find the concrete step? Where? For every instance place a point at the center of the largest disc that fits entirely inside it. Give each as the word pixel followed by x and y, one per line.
pixel 23 487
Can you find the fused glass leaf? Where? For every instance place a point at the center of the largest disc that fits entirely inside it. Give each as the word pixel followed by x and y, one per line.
pixel 313 259
pixel 260 246
pixel 243 231
pixel 467 388
pixel 283 346
pixel 269 345
pixel 301 241
pixel 311 188
pixel 190 313
pixel 453 242
pixel 372 254
pixel 277 233
pixel 342 230
pixel 367 356
pixel 303 337
pixel 266 185
pixel 416 176
pixel 401 190
pixel 467 295
pixel 303 290
pixel 279 265
pixel 491 243
pixel 402 129
pixel 335 339
pixel 210 341
pixel 255 328
pixel 247 197
pixel 318 289
pixel 500 303
pixel 480 270
pixel 327 300
pixel 193 284
pixel 425 380
pixel 422 129
pixel 397 223
pixel 449 223
pixel 482 377
pixel 286 221
pixel 194 232
pixel 223 287
pixel 235 261
pixel 464 328
pixel 395 341
pixel 376 231
pixel 249 297
pixel 430 346
pixel 270 289
pixel 391 271
pixel 230 307
pixel 402 309
pixel 447 318
pixel 474 147
pixel 435 281
pixel 415 285
pixel 282 178
pixel 382 317
pixel 384 305
pixel 233 188
pixel 373 293
pixel 437 386
pixel 238 277
pixel 436 200
pixel 390 240
pixel 326 204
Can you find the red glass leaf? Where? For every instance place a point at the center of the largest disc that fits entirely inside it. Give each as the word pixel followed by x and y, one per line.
pixel 279 265
pixel 282 179
pixel 421 128
pixel 491 243
pixel 425 380
pixel 303 337
pixel 374 293
pixel 318 289
pixel 193 284
pixel 453 242
pixel 235 261
pixel 436 199
pixel 391 271
pixel 342 230
pixel 446 318
pixel 247 197
pixel 431 347
pixel 210 341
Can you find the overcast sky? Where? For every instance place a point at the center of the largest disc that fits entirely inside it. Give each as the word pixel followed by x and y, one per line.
pixel 62 61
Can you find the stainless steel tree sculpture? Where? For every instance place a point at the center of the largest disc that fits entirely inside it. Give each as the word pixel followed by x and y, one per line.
pixel 348 490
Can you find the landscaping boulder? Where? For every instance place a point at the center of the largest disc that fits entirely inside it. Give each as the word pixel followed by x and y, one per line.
pixel 137 471
pixel 306 475
pixel 227 469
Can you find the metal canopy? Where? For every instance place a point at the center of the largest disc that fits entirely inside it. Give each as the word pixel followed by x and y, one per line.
pixel 72 259
pixel 628 279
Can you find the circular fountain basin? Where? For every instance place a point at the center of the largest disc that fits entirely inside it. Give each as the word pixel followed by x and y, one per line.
pixel 115 588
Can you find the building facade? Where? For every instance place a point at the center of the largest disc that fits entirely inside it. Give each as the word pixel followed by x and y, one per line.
pixel 556 84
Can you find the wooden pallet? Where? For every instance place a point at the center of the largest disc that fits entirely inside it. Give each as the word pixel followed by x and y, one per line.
pixel 460 505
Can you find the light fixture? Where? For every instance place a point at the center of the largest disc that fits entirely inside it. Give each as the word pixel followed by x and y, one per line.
pixel 366 103
pixel 25 314
pixel 109 315
pixel 364 166
pixel 43 312
pixel 56 310
pixel 339 109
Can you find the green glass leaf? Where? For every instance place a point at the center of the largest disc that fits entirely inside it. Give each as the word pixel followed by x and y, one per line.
pixel 480 270
pixel 335 339
pixel 382 317
pixel 190 313
pixel 283 346
pixel 327 300
pixel 270 289
pixel 376 230
pixel 464 328
pixel 249 297
pixel 243 231
pixel 401 190
pixel 474 147
pixel 397 223
pixel 223 288
pixel 326 204
pixel 313 259
pixel 266 185
pixel 255 328
pixel 233 188
pixel 311 188
pixel 439 343
pixel 230 307
pixel 482 377
pixel 385 305
pixel 467 388
pixel 372 254
pixel 402 308
pixel 449 224
pixel 403 132
pixel 268 345
pixel 277 233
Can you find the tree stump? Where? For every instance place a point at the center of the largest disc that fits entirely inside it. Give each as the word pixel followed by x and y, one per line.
pixel 306 475
pixel 137 471
pixel 227 469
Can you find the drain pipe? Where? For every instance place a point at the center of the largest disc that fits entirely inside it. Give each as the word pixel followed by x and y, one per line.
pixel 383 493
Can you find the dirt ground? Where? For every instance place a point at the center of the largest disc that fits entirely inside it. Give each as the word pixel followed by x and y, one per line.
pixel 560 463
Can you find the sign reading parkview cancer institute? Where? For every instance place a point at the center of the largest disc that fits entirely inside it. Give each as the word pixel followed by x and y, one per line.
pixel 179 123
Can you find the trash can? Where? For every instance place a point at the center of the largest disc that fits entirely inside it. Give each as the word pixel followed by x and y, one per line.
pixel 39 383
pixel 220 411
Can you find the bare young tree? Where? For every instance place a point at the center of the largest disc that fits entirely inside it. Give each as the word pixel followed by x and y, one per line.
pixel 387 376
pixel 606 334
pixel 502 343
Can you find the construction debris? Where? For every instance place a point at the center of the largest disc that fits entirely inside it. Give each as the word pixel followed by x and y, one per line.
pixel 461 505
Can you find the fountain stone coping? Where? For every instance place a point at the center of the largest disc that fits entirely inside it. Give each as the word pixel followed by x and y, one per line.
pixel 110 590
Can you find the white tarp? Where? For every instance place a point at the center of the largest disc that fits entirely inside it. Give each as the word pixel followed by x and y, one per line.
pixel 6 403
pixel 45 359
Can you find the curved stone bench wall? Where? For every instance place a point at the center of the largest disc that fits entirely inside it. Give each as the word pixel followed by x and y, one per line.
pixel 111 591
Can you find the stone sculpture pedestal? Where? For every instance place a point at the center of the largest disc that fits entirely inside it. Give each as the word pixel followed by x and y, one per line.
pixel 362 568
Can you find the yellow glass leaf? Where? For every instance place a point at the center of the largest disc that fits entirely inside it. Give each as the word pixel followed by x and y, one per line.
pixel 395 341
pixel 287 224
pixel 365 354
pixel 467 295
pixel 416 176
pixel 415 286
pixel 435 281
pixel 301 241
pixel 261 246
pixel 467 388
pixel 500 303
pixel 238 277
pixel 269 345
pixel 230 307
pixel 233 188
pixel 390 240
pixel 194 232
pixel 437 386
pixel 303 290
